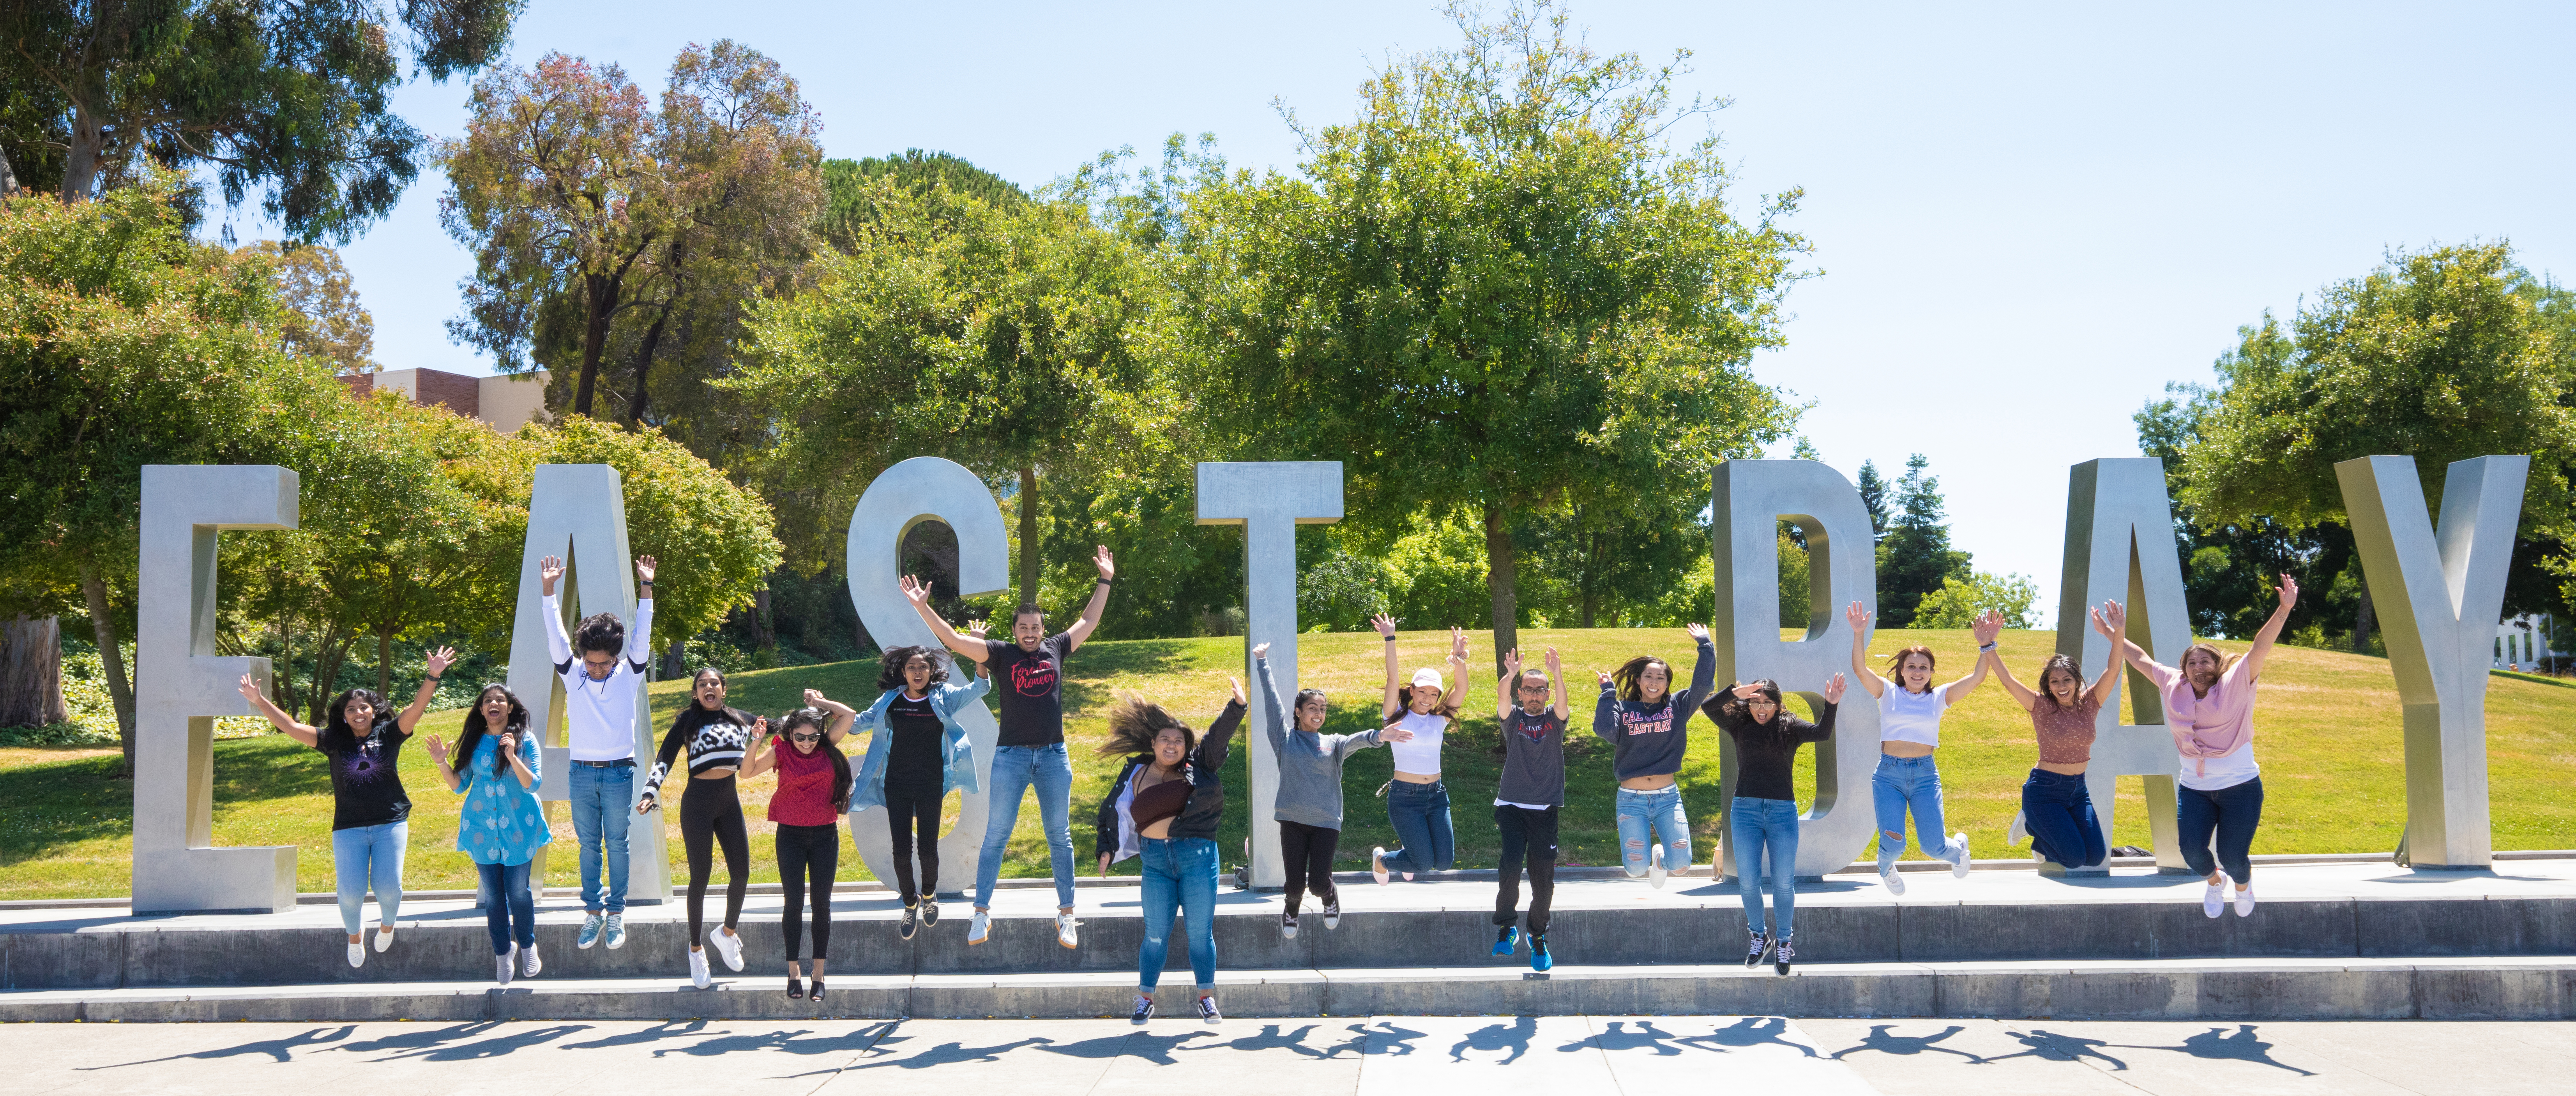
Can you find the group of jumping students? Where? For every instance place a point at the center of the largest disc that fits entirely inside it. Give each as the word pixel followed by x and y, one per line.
pixel 1164 808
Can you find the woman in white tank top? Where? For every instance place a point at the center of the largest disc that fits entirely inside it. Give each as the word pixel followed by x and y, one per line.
pixel 1909 728
pixel 1417 716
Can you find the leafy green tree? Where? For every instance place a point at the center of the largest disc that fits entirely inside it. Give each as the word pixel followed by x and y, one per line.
pixel 291 99
pixel 1915 557
pixel 323 317
pixel 1959 601
pixel 2442 354
pixel 850 189
pixel 1873 498
pixel 1497 289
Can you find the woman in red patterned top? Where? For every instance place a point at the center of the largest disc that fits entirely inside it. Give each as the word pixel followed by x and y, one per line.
pixel 813 792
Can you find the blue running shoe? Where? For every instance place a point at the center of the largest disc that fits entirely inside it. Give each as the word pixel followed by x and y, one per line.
pixel 1506 940
pixel 1539 958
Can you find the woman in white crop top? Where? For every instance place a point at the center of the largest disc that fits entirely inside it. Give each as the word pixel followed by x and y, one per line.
pixel 1909 728
pixel 1417 715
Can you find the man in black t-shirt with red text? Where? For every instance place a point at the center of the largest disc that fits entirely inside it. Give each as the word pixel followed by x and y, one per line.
pixel 1028 678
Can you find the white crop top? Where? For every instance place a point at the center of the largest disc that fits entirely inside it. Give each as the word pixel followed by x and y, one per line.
pixel 1421 756
pixel 1912 717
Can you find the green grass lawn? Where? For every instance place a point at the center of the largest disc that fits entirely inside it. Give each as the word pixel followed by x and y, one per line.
pixel 2327 733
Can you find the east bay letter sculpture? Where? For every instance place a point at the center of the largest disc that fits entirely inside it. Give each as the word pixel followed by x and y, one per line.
pixel 914 491
pixel 578 512
pixel 2120 547
pixel 1270 499
pixel 180 685
pixel 2438 593
pixel 1750 499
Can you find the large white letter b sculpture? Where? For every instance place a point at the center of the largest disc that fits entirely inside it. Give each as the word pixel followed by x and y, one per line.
pixel 180 685
pixel 914 491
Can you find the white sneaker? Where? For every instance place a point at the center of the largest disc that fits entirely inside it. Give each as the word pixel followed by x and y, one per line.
pixel 979 928
pixel 728 947
pixel 2214 901
pixel 1655 867
pixel 1064 933
pixel 357 955
pixel 2245 900
pixel 384 937
pixel 698 975
pixel 529 964
pixel 1959 866
pixel 2019 831
pixel 1377 864
pixel 1333 913
pixel 504 965
pixel 1892 879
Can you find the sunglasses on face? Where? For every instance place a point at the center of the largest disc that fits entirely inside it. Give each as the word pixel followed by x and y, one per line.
pixel 805 738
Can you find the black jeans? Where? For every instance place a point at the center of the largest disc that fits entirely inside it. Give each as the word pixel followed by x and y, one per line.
pixel 804 850
pixel 1527 835
pixel 2230 813
pixel 710 812
pixel 912 813
pixel 1308 851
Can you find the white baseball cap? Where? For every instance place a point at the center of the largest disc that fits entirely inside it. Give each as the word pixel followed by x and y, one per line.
pixel 1426 677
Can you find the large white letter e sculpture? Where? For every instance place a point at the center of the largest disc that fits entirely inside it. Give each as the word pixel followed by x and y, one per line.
pixel 914 491
pixel 180 685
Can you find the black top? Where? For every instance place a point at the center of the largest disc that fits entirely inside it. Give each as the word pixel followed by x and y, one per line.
pixel 1205 771
pixel 366 789
pixel 1027 684
pixel 915 759
pixel 1764 752
pixel 715 740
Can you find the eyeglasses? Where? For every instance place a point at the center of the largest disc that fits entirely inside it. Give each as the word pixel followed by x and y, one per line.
pixel 805 738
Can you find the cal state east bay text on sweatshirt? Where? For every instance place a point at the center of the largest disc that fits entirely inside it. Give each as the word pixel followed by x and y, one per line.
pixel 1648 739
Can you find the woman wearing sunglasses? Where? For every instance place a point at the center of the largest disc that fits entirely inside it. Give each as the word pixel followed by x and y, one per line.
pixel 813 790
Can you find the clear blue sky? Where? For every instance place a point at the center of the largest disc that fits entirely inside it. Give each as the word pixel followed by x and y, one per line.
pixel 2028 219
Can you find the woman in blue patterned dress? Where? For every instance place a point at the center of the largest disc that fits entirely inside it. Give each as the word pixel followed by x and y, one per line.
pixel 496 766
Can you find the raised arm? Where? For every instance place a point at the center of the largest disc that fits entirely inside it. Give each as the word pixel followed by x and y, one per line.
pixel 1823 727
pixel 1281 719
pixel 558 645
pixel 1503 686
pixel 1556 687
pixel 526 761
pixel 1385 626
pixel 1220 734
pixel 1082 628
pixel 1703 672
pixel 1455 698
pixel 842 715
pixel 669 753
pixel 1989 625
pixel 2102 685
pixel 2271 630
pixel 1605 712
pixel 2112 620
pixel 439 660
pixel 2021 693
pixel 639 639
pixel 439 765
pixel 763 756
pixel 1868 678
pixel 918 593
pixel 277 716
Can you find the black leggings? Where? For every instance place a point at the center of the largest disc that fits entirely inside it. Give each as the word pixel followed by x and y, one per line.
pixel 710 809
pixel 1529 836
pixel 912 813
pixel 1308 851
pixel 803 850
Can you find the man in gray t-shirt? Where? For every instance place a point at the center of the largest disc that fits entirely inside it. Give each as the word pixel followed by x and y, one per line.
pixel 1529 797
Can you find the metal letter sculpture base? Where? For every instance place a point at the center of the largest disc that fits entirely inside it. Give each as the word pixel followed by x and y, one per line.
pixel 914 491
pixel 2438 593
pixel 578 512
pixel 1751 498
pixel 2120 547
pixel 1270 499
pixel 180 685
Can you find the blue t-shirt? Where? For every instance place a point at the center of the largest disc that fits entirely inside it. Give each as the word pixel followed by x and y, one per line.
pixel 501 822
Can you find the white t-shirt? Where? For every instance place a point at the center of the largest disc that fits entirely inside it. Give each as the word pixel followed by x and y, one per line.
pixel 1422 755
pixel 2227 770
pixel 1912 717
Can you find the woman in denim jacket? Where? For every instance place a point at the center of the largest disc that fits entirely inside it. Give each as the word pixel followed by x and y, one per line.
pixel 917 754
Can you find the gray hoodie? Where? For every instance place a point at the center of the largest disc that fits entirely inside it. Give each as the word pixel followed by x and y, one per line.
pixel 1310 764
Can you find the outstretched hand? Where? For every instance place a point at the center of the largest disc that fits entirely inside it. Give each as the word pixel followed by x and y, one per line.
pixel 914 590
pixel 1555 665
pixel 549 570
pixel 1988 625
pixel 1107 566
pixel 1384 624
pixel 1394 732
pixel 1697 630
pixel 2112 620
pixel 1260 650
pixel 1457 644
pixel 1858 616
pixel 250 691
pixel 1512 662
pixel 644 568
pixel 2289 592
pixel 438 749
pixel 1604 675
pixel 1237 682
pixel 1834 690
pixel 440 659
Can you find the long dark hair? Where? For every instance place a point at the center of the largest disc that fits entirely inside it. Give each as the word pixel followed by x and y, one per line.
pixel 1725 703
pixel 697 715
pixel 337 736
pixel 2066 663
pixel 1633 671
pixel 1133 723
pixel 890 667
pixel 472 735
pixel 817 719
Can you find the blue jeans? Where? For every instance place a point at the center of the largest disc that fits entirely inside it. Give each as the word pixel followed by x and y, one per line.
pixel 1420 815
pixel 1015 769
pixel 514 909
pixel 2229 815
pixel 1759 828
pixel 603 804
pixel 1649 817
pixel 1179 874
pixel 1908 783
pixel 2058 811
pixel 369 853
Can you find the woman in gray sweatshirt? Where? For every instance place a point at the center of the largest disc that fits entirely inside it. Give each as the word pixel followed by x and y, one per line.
pixel 1309 807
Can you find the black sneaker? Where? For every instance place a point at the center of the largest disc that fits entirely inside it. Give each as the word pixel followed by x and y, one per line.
pixel 1144 1010
pixel 1757 949
pixel 1782 954
pixel 929 911
pixel 1207 1011
pixel 1333 913
pixel 1287 926
pixel 911 921
pixel 795 989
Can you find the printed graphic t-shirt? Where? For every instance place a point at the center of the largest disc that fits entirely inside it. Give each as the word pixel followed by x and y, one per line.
pixel 914 761
pixel 1027 683
pixel 365 788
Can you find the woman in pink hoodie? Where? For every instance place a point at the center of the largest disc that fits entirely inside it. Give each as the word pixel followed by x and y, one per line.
pixel 2209 707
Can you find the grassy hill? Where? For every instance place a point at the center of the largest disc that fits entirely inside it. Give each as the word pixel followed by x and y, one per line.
pixel 2327 732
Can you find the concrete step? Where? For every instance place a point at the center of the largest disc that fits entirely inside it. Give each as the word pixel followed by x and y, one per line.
pixel 2518 988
